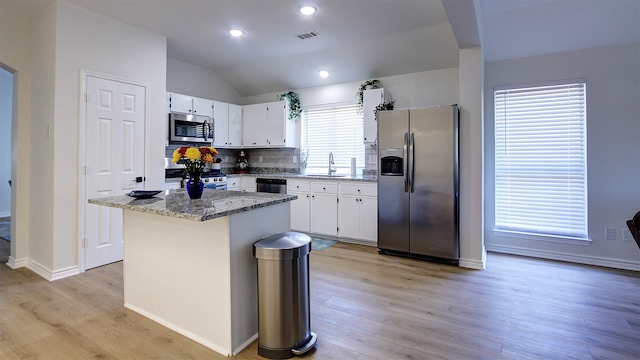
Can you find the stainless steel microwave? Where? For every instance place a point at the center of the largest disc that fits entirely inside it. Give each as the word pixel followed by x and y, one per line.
pixel 190 128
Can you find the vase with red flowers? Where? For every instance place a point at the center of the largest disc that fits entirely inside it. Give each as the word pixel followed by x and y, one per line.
pixel 194 160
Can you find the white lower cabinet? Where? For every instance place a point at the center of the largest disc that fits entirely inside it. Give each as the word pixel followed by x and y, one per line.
pixel 301 207
pixel 324 208
pixel 233 183
pixel 346 209
pixel 248 183
pixel 358 211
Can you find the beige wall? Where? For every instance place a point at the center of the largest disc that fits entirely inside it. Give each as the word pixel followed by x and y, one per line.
pixel 463 86
pixel 427 88
pixel 91 42
pixel 613 150
pixel 15 55
pixel 62 40
pixel 472 249
pixel 187 79
pixel 41 207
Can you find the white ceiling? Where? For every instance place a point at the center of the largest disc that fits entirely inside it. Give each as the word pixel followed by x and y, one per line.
pixel 360 39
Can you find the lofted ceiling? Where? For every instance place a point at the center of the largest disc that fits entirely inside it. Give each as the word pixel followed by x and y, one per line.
pixel 361 39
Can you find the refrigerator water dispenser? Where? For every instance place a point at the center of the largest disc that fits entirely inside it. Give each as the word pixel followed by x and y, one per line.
pixel 391 162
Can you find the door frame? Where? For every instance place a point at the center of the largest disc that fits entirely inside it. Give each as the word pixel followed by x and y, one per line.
pixel 13 167
pixel 82 151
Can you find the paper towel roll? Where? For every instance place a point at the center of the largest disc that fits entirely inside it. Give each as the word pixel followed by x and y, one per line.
pixel 353 166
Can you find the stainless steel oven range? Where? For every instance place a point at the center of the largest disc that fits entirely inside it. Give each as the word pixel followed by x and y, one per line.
pixel 211 179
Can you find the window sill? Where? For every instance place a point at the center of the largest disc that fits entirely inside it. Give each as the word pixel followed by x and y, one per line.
pixel 538 237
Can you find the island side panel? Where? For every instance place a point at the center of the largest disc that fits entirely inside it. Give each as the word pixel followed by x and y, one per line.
pixel 177 272
pixel 246 228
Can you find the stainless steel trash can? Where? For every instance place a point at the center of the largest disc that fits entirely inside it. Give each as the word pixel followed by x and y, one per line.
pixel 283 295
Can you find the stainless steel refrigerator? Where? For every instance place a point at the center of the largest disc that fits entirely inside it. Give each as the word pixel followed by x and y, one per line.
pixel 418 183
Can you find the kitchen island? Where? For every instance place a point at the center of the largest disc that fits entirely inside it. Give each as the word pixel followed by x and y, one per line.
pixel 188 264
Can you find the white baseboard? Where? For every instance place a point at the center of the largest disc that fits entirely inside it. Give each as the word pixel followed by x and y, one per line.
pixel 580 259
pixel 471 264
pixel 179 330
pixel 245 344
pixel 16 264
pixel 41 270
pixel 355 241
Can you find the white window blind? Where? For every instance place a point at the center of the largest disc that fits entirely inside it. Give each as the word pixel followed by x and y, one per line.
pixel 540 160
pixel 336 129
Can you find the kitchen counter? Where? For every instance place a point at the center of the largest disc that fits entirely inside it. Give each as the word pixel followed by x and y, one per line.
pixel 188 264
pixel 213 204
pixel 365 178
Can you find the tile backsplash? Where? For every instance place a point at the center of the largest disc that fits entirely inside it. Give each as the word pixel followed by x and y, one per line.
pixel 260 160
pixel 274 160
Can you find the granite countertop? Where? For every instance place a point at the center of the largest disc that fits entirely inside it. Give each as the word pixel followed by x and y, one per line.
pixel 364 178
pixel 213 204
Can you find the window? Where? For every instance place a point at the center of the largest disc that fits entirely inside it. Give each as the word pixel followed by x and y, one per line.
pixel 540 160
pixel 337 129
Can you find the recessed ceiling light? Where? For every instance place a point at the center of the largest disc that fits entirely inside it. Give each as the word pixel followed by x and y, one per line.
pixel 236 32
pixel 307 10
pixel 323 73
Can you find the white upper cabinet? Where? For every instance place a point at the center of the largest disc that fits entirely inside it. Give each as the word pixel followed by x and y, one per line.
pixel 220 124
pixel 227 120
pixel 235 126
pixel 371 99
pixel 180 103
pixel 267 125
pixel 276 123
pixel 190 105
pixel 254 125
pixel 202 107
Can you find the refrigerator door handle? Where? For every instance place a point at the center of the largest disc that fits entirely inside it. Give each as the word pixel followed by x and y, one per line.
pixel 406 161
pixel 411 160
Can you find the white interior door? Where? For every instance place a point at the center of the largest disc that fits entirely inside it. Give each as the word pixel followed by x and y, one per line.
pixel 115 134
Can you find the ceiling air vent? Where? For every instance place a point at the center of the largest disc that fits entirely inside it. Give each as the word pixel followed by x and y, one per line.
pixel 307 35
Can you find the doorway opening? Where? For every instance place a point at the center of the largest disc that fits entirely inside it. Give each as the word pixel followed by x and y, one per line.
pixel 6 141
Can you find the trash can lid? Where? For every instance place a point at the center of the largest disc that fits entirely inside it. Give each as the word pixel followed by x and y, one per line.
pixel 287 245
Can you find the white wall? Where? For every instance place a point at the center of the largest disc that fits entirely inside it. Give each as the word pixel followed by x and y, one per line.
pixel 427 88
pixel 88 41
pixel 430 88
pixel 6 105
pixel 471 195
pixel 15 54
pixel 187 79
pixel 613 148
pixel 41 207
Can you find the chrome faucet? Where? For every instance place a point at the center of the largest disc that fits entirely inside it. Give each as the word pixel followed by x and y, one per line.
pixel 331 162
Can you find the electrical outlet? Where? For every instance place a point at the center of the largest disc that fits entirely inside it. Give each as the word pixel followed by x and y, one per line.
pixel 295 159
pixel 373 159
pixel 626 235
pixel 259 158
pixel 609 233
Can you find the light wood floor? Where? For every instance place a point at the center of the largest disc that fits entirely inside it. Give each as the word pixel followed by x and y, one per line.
pixel 364 306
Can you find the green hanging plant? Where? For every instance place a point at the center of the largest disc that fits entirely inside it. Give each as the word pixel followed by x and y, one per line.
pixel 294 104
pixel 374 83
pixel 387 105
